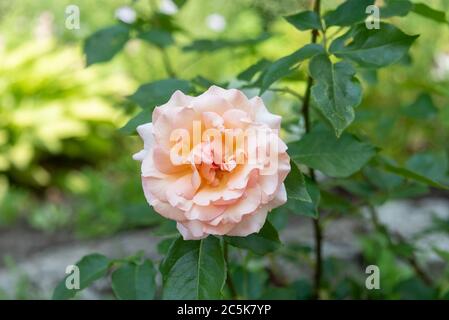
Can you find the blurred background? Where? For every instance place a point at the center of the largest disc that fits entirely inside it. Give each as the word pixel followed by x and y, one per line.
pixel 68 184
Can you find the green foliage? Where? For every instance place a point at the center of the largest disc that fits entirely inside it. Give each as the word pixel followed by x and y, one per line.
pixel 373 48
pixel 348 13
pixel 336 91
pixel 134 281
pixel 194 270
pixel 335 157
pixel 305 20
pixel 91 268
pixel 263 242
pixel 104 44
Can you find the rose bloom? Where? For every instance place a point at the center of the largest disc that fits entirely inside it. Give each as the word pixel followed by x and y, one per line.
pixel 213 188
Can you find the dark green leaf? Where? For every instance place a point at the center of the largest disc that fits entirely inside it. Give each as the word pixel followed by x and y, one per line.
pixel 104 44
pixel 141 118
pixel 373 48
pixel 159 38
pixel 409 174
pixel 265 241
pixel 396 8
pixel 348 13
pixel 133 281
pixel 159 92
pixel 208 45
pixel 433 165
pixel 180 3
pixel 282 67
pixel 307 208
pixel 428 12
pixel 321 150
pixel 296 185
pixel 249 284
pixel 423 108
pixel 249 73
pixel 91 267
pixel 305 20
pixel 194 270
pixel 336 91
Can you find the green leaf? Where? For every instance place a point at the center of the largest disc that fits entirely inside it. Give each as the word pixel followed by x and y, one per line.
pixel 307 208
pixel 141 118
pixel 159 38
pixel 208 45
pixel 336 91
pixel 91 267
pixel 180 3
pixel 263 242
pixel 373 48
pixel 430 13
pixel 348 13
pixel 423 108
pixel 321 150
pixel 133 281
pixel 282 67
pixel 249 283
pixel 390 166
pixel 395 8
pixel 433 165
pixel 104 44
pixel 194 270
pixel 296 185
pixel 153 94
pixel 305 20
pixel 249 73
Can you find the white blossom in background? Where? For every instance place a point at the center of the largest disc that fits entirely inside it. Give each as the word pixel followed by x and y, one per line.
pixel 216 22
pixel 44 26
pixel 126 14
pixel 440 70
pixel 168 7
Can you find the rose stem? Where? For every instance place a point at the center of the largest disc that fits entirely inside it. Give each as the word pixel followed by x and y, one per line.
pixel 316 222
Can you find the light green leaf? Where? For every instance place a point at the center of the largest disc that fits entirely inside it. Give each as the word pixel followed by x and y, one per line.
pixel 305 20
pixel 348 13
pixel 263 242
pixel 373 48
pixel 159 38
pixel 424 10
pixel 194 270
pixel 296 185
pixel 335 157
pixel 133 281
pixel 336 91
pixel 91 267
pixel 153 94
pixel 282 67
pixel 104 44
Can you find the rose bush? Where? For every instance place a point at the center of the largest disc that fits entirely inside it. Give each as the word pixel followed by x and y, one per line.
pixel 212 190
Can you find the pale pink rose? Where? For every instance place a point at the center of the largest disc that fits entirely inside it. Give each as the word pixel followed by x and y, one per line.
pixel 210 190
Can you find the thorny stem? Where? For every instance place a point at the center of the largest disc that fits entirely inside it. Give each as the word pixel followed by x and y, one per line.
pixel 411 260
pixel 317 228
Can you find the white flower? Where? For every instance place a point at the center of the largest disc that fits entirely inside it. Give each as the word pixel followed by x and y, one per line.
pixel 440 69
pixel 126 14
pixel 168 7
pixel 216 22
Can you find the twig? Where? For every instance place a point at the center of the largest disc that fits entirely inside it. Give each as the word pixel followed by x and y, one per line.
pixel 167 64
